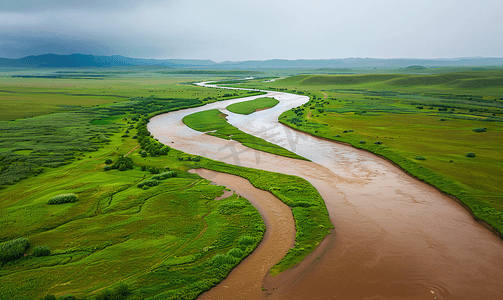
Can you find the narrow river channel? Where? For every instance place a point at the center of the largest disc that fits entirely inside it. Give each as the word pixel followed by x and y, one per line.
pixel 395 237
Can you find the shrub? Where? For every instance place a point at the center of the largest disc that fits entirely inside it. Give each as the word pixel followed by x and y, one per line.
pixel 246 240
pixel 378 142
pixel 41 251
pixel 348 131
pixel 470 154
pixel 153 170
pixel 362 142
pixel 63 198
pixel 235 252
pixel 337 135
pixel 222 259
pixel 480 129
pixel 49 297
pixel 107 168
pixel 13 249
pixel 143 168
pixel 119 293
pixel 164 175
pixel 148 183
pixel 164 150
pixel 143 153
pixel 108 161
pixel 420 158
pixel 123 161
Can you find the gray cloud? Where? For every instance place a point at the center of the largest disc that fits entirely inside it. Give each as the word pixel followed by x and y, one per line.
pixel 260 29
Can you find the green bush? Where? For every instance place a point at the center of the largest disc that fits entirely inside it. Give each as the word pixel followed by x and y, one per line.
pixel 119 293
pixel 123 164
pixel 108 161
pixel 164 175
pixel 148 183
pixel 41 251
pixel 378 142
pixel 222 259
pixel 107 168
pixel 48 297
pixel 420 158
pixel 362 142
pixel 470 154
pixel 235 252
pixel 63 198
pixel 13 249
pixel 154 170
pixel 164 150
pixel 246 240
pixel 143 153
pixel 480 129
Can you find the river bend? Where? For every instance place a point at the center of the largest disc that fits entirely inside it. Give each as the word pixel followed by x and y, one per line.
pixel 396 237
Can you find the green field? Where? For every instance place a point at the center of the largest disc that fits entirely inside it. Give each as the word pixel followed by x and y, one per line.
pixel 27 97
pixel 248 107
pixel 213 120
pixel 428 116
pixel 127 233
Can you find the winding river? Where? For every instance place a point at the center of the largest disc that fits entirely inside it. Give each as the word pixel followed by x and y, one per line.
pixel 395 237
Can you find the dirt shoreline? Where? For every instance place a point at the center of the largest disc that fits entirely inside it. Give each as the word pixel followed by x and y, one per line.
pixel 456 199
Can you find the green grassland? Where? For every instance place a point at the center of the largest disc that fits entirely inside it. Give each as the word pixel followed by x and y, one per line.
pixel 161 241
pixel 431 116
pixel 171 240
pixel 213 120
pixel 26 97
pixel 248 107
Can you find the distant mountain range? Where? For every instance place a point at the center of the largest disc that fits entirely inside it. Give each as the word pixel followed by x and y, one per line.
pixel 82 60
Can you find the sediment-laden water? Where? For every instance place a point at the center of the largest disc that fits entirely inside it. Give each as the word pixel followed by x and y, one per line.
pixel 396 237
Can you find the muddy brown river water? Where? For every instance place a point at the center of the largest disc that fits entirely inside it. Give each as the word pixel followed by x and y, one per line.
pixel 395 237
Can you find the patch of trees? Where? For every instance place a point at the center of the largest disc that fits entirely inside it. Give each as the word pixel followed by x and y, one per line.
pixel 480 129
pixel 63 198
pixel 148 183
pixel 13 249
pixel 122 164
pixel 41 251
pixel 164 175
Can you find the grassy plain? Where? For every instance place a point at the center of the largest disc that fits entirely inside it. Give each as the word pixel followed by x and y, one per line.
pixel 213 120
pixel 161 241
pixel 22 97
pixel 170 241
pixel 432 116
pixel 248 107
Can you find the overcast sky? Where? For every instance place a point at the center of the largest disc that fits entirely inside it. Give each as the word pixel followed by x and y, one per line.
pixel 253 30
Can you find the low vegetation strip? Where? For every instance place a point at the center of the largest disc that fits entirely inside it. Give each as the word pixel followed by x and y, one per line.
pixel 312 221
pixel 248 107
pixel 213 120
